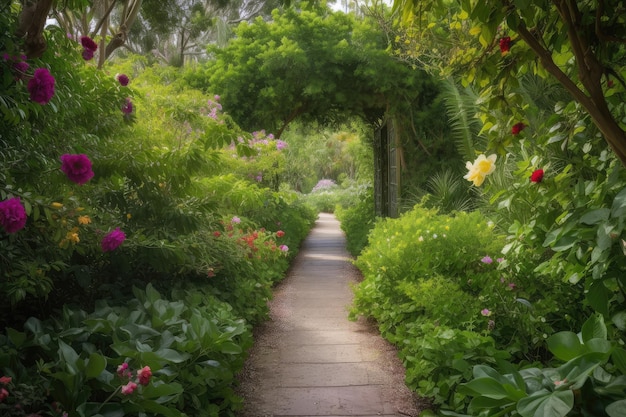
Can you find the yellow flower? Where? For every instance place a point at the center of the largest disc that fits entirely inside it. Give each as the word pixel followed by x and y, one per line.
pixel 128 216
pixel 56 205
pixel 84 220
pixel 72 237
pixel 482 166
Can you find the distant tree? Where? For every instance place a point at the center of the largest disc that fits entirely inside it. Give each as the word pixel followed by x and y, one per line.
pixel 312 65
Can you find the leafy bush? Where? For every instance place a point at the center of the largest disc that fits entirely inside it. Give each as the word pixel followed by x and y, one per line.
pixel 357 220
pixel 192 344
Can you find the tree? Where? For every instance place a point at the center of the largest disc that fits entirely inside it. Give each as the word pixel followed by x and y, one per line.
pixel 579 43
pixel 312 65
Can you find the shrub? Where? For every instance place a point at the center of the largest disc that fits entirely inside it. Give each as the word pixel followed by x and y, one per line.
pixel 357 219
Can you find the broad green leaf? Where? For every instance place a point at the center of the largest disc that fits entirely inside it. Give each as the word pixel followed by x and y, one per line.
pixel 595 216
pixel 594 328
pixel 546 404
pixel 17 338
pixel 619 359
pixel 619 204
pixel 598 297
pixel 619 320
pixel 96 364
pixel 69 356
pixel 617 409
pixel 565 345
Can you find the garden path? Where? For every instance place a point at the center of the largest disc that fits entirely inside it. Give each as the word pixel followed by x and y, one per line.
pixel 309 359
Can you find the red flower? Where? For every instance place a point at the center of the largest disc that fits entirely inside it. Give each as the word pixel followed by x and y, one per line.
pixel 217 233
pixel 5 380
pixel 77 168
pixel 537 175
pixel 280 233
pixel 505 45
pixel 517 127
pixel 3 394
pixel 144 375
pixel 41 86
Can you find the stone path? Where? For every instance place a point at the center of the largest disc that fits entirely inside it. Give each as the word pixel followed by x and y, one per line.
pixel 309 359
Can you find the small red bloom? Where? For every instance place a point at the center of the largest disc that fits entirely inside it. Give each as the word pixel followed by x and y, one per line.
pixel 5 380
pixel 505 45
pixel 217 233
pixel 517 127
pixel 3 394
pixel 537 175
pixel 144 375
pixel 280 233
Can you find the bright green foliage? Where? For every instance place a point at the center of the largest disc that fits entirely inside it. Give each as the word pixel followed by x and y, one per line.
pixel 193 344
pixel 313 65
pixel 357 220
pixel 585 383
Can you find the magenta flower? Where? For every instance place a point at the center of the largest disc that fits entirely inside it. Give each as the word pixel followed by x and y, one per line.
pixel 77 168
pixel 127 107
pixel 113 240
pixel 41 86
pixel 88 54
pixel 486 260
pixel 122 79
pixel 129 388
pixel 485 312
pixel 122 370
pixel 144 375
pixel 536 176
pixel 12 215
pixel 21 67
pixel 284 248
pixel 88 43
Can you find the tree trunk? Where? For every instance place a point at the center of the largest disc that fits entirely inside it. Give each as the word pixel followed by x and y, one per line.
pixel 31 23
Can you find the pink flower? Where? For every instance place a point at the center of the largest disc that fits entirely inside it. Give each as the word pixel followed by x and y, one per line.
pixel 505 45
pixel 88 43
pixel 517 127
pixel 144 375
pixel 77 167
pixel 129 388
pixel 486 260
pixel 537 175
pixel 281 144
pixel 127 107
pixel 122 370
pixel 280 233
pixel 485 312
pixel 41 86
pixel 113 240
pixel 122 79
pixel 12 216
pixel 284 248
pixel 512 285
pixel 20 68
pixel 5 380
pixel 500 260
pixel 3 394
pixel 235 219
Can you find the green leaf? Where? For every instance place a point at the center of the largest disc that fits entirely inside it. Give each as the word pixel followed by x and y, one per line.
pixel 17 338
pixel 565 345
pixel 546 404
pixel 619 204
pixel 96 364
pixel 617 409
pixel 595 216
pixel 594 328
pixel 69 356
pixel 598 297
pixel 619 320
pixel 619 359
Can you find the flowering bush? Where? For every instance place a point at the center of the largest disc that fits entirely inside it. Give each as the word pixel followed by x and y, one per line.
pixel 41 86
pixel 12 215
pixel 77 168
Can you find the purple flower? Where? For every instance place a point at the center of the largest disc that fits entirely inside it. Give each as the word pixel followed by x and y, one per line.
pixel 281 144
pixel 12 215
pixel 485 312
pixel 235 219
pixel 122 79
pixel 21 66
pixel 88 43
pixel 486 260
pixel 500 260
pixel 41 86
pixel 87 54
pixel 77 168
pixel 127 107
pixel 113 240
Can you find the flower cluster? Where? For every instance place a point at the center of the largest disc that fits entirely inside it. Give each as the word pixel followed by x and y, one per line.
pixel 143 378
pixel 505 45
pixel 20 66
pixel 12 215
pixel 324 185
pixel 478 171
pixel 4 393
pixel 536 176
pixel 127 107
pixel 41 86
pixel 214 107
pixel 89 47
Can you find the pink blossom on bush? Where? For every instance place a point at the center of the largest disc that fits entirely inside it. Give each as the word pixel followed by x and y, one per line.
pixel 12 216
pixel 122 371
pixel 5 380
pixel 281 144
pixel 129 388
pixel 77 167
pixel 235 220
pixel 113 240
pixel 284 248
pixel 485 312
pixel 144 375
pixel 41 86
pixel 3 394
pixel 486 260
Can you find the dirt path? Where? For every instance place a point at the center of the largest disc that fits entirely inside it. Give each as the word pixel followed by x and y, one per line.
pixel 308 359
